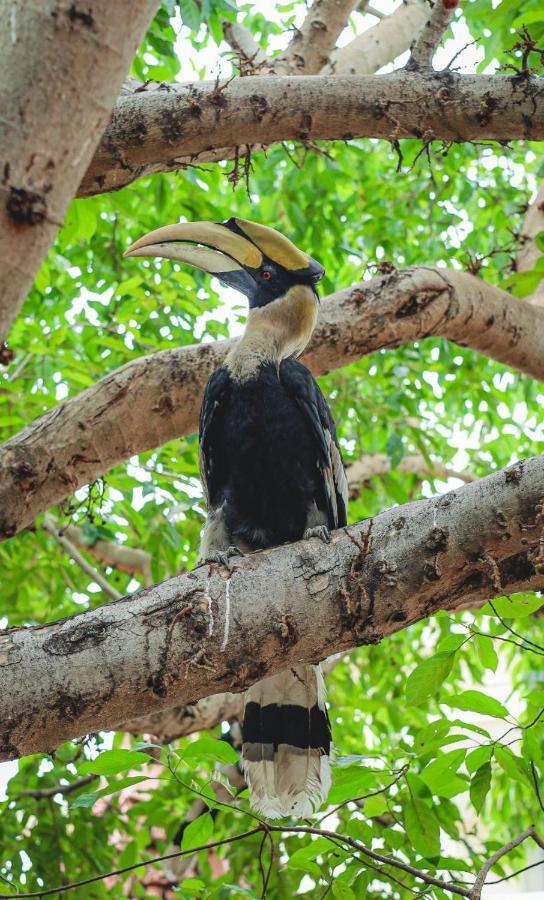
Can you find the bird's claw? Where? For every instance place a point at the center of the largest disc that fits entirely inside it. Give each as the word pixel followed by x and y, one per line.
pixel 222 556
pixel 318 531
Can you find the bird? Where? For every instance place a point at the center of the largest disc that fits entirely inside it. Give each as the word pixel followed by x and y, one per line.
pixel 272 473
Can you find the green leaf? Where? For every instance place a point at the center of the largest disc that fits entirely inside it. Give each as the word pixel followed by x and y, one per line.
pixel 110 762
pixel 209 748
pixel 435 774
pixel 478 702
pixel 87 800
pixel 486 652
pixel 394 449
pixel 350 782
pixel 513 765
pixel 479 786
pixel 198 832
pixel 476 758
pixel 516 606
pixel 422 827
pixel 342 891
pixel 428 678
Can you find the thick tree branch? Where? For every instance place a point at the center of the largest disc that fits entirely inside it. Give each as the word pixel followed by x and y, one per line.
pixel 214 629
pixel 476 891
pixel 382 43
pixel 528 252
pixel 53 55
pixel 169 724
pixel 157 131
pixel 157 398
pixel 311 45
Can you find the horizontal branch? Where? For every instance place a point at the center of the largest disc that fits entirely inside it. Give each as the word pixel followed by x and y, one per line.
pixel 174 722
pixel 372 465
pixel 214 630
pixel 157 398
pixel 161 130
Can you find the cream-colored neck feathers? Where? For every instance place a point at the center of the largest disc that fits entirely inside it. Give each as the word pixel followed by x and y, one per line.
pixel 274 332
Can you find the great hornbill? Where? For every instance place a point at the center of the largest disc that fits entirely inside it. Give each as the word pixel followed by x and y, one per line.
pixel 272 472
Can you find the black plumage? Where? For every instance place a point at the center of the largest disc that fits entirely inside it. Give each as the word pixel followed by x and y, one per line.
pixel 267 454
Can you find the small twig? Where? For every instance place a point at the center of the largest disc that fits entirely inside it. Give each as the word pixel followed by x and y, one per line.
pixel 64 789
pixel 72 551
pixel 427 41
pixel 530 832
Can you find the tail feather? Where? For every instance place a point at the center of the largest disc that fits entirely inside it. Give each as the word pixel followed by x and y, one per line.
pixel 286 743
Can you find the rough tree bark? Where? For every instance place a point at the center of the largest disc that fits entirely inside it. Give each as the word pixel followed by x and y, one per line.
pixel 53 53
pixel 528 253
pixel 309 49
pixel 382 43
pixel 214 629
pixel 157 398
pixel 157 130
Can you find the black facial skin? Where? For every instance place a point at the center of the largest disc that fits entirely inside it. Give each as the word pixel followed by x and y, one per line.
pixel 265 284
pixel 262 286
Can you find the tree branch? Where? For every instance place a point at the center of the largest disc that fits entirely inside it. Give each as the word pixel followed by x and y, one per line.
pixel 155 399
pixel 252 57
pixel 311 45
pixel 172 723
pixel 51 527
pixel 118 556
pixel 528 252
pixel 158 131
pixel 180 640
pixel 476 891
pixel 64 789
pixel 382 43
pixel 53 55
pixel 427 41
pixel 375 464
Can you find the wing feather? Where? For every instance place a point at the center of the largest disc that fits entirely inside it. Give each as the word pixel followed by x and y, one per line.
pixel 209 449
pixel 304 389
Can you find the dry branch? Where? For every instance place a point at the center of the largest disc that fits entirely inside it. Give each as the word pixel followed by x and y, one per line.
pixel 311 45
pixel 158 131
pixel 62 70
pixel 213 629
pixel 157 398
pixel 382 43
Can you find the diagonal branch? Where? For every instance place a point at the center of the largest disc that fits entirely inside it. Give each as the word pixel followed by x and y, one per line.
pixel 252 58
pixel 476 891
pixel 382 43
pixel 528 253
pixel 157 398
pixel 427 41
pixel 311 45
pixel 50 526
pixel 118 556
pixel 181 640
pixel 159 131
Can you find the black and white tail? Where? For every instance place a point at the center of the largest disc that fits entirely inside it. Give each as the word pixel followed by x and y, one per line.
pixel 286 743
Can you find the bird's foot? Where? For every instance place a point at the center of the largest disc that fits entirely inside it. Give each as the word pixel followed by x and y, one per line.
pixel 223 556
pixel 318 531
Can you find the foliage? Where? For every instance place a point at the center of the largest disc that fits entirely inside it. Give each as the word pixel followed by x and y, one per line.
pixel 421 741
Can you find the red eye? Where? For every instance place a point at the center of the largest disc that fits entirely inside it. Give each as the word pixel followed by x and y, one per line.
pixel 267 276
